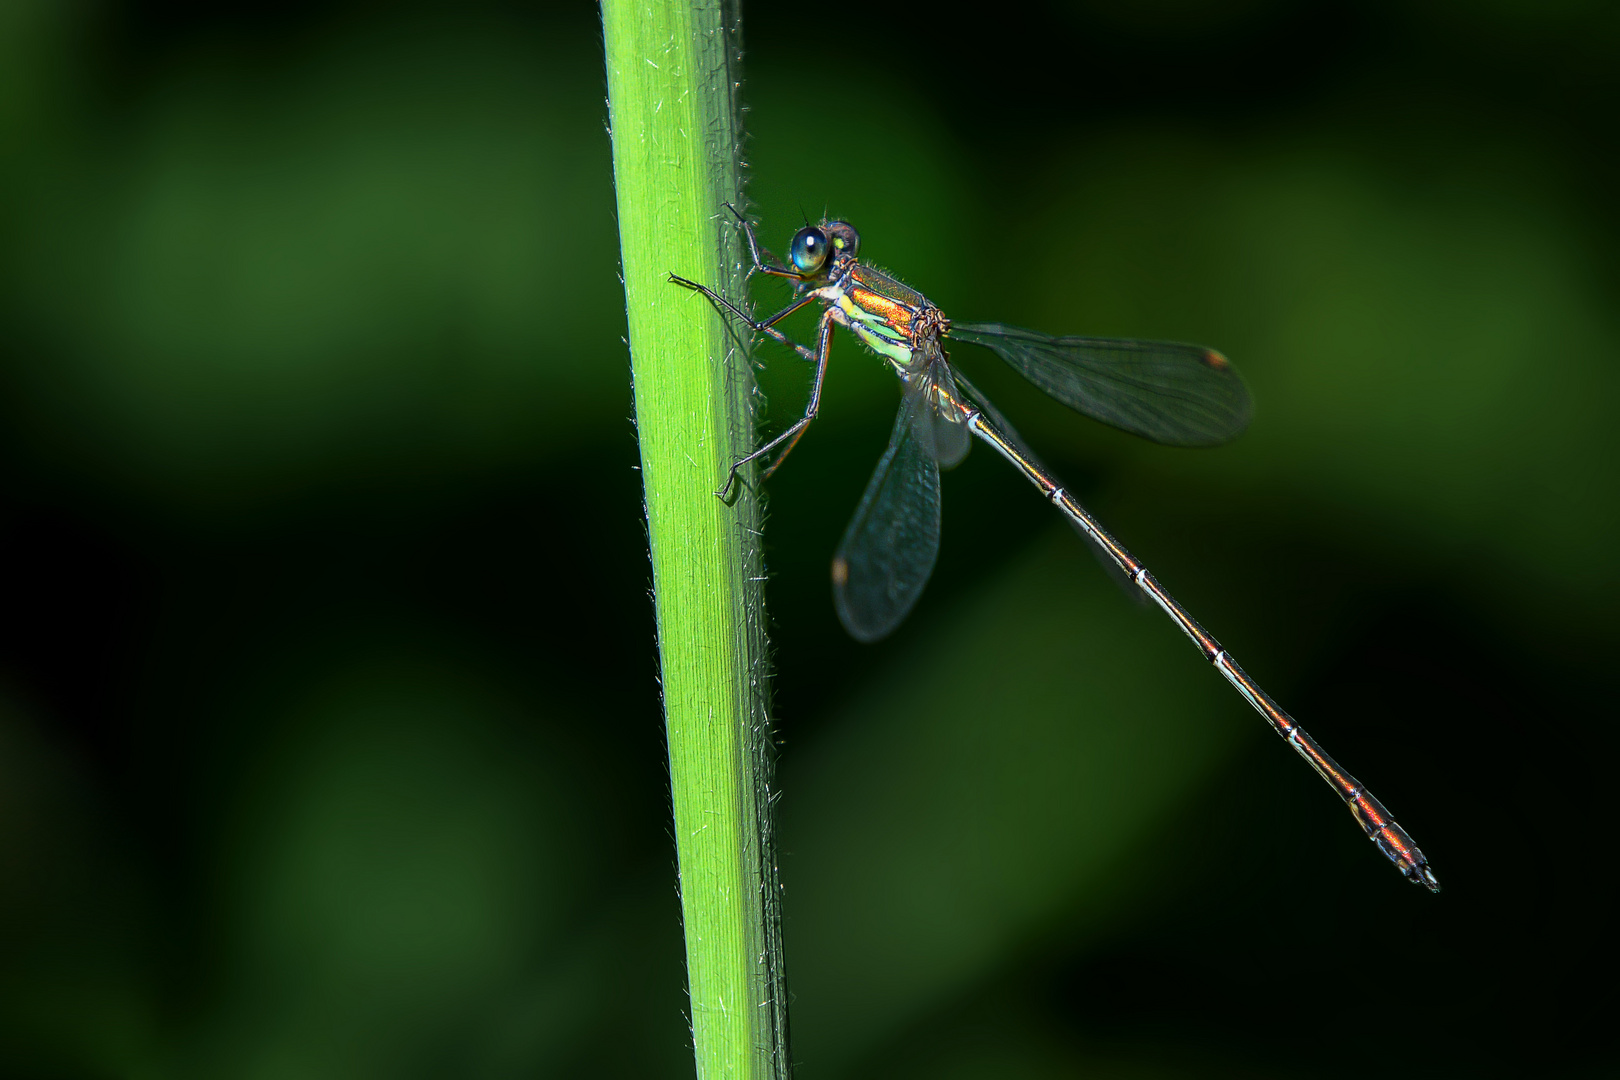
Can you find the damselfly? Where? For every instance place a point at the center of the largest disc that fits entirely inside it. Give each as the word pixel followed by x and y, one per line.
pixel 1180 395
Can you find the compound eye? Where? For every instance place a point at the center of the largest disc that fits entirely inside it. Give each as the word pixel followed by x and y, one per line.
pixel 844 237
pixel 809 250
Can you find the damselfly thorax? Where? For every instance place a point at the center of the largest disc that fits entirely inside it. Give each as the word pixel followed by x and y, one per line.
pixel 890 318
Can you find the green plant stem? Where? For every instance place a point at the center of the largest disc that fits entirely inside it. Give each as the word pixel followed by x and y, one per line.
pixel 672 83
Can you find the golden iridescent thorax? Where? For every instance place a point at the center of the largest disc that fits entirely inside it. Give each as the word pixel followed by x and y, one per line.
pixel 889 317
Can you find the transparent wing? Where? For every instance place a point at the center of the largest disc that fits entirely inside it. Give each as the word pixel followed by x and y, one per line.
pixel 1011 434
pixel 940 430
pixel 889 549
pixel 1180 395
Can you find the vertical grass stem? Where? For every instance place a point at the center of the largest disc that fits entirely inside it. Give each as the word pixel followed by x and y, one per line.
pixel 672 89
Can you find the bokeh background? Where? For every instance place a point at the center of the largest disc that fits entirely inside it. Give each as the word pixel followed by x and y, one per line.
pixel 329 739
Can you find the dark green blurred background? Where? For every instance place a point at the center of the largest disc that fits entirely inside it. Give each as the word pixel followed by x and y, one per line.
pixel 329 742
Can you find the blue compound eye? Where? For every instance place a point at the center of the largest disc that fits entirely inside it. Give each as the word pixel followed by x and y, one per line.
pixel 809 250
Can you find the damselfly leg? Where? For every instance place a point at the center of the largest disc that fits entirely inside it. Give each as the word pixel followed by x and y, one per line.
pixel 817 356
pixel 788 439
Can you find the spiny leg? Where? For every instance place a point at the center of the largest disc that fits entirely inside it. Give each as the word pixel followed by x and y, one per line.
pixel 818 356
pixel 823 349
pixel 792 435
pixel 766 326
pixel 773 268
pixel 727 307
